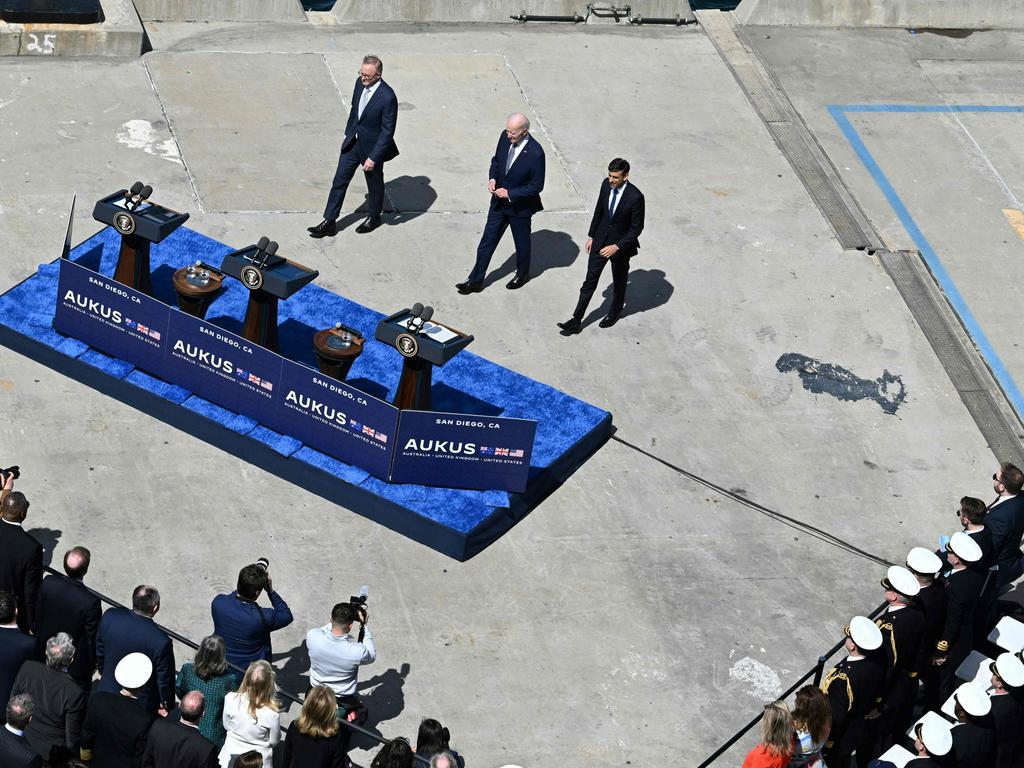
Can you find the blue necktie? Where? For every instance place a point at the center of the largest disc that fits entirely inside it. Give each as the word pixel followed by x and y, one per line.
pixel 611 203
pixel 511 156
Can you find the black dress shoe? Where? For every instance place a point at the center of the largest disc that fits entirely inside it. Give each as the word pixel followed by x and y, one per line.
pixel 324 229
pixel 608 321
pixel 517 282
pixel 469 287
pixel 570 326
pixel 369 225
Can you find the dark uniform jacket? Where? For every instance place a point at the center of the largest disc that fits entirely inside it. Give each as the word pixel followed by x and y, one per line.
pixel 115 731
pixel 59 707
pixel 65 605
pixel 1008 716
pixel 963 589
pixel 21 570
pixel 974 745
pixel 932 600
pixel 175 745
pixel 902 633
pixel 852 688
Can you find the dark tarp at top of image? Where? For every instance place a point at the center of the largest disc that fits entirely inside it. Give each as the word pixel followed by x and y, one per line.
pixel 51 11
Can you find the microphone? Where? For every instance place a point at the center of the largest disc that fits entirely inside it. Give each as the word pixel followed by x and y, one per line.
pixel 136 188
pixel 145 192
pixel 261 247
pixel 428 312
pixel 268 254
pixel 417 309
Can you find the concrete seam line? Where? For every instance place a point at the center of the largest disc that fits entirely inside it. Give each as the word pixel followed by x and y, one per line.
pixel 170 129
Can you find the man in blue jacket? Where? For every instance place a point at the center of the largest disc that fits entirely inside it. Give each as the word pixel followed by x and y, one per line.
pixel 123 632
pixel 1005 520
pixel 368 143
pixel 244 625
pixel 515 183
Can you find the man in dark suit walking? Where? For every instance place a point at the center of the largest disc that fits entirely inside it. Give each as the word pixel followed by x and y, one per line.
pixel 180 745
pixel 15 646
pixel 515 182
pixel 116 725
pixel 21 558
pixel 1005 519
pixel 614 236
pixel 368 143
pixel 65 605
pixel 15 751
pixel 123 632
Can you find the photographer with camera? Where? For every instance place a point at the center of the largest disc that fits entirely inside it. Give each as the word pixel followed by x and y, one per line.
pixel 335 656
pixel 244 625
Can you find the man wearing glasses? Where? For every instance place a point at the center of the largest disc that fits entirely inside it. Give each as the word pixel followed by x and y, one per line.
pixel 515 182
pixel 369 142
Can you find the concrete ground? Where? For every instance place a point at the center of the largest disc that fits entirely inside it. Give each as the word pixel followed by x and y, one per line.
pixel 635 617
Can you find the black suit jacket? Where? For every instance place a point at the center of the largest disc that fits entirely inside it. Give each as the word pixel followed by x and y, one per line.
pixel 59 707
pixel 173 745
pixel 122 632
pixel 115 731
pixel 1006 522
pixel 974 746
pixel 1008 717
pixel 372 136
pixel 625 225
pixel 21 570
pixel 15 649
pixel 15 751
pixel 65 605
pixel 524 180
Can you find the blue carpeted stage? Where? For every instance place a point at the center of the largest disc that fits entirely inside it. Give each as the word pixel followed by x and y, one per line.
pixel 459 523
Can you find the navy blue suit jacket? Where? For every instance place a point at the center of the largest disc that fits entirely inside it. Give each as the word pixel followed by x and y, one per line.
pixel 376 130
pixel 246 626
pixel 122 632
pixel 524 180
pixel 15 751
pixel 15 649
pixel 1006 522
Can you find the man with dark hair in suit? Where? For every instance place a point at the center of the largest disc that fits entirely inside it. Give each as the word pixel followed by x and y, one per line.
pixel 245 625
pixel 515 182
pixel 123 632
pixel 15 751
pixel 117 724
pixel 1005 520
pixel 65 605
pixel 15 646
pixel 181 745
pixel 614 236
pixel 59 701
pixel 21 557
pixel 369 142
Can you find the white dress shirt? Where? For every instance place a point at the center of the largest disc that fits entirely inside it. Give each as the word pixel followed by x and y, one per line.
pixel 364 98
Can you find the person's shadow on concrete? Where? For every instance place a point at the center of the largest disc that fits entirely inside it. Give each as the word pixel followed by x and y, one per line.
pixel 293 675
pixel 549 250
pixel 646 289
pixel 48 537
pixel 384 702
pixel 405 198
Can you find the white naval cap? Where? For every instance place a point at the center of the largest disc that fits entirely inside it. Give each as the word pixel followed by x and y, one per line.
pixel 864 633
pixel 1010 670
pixel 899 579
pixel 964 547
pixel 921 560
pixel 133 671
pixel 936 738
pixel 973 699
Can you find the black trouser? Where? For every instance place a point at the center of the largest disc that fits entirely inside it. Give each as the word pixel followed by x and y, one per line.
pixel 595 266
pixel 348 163
pixel 497 222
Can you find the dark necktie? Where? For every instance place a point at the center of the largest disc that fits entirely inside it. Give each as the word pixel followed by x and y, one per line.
pixel 511 156
pixel 611 203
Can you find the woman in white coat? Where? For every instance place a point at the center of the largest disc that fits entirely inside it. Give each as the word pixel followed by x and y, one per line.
pixel 252 717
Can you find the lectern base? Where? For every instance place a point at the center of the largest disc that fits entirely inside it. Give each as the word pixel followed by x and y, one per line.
pixel 414 387
pixel 133 264
pixel 260 326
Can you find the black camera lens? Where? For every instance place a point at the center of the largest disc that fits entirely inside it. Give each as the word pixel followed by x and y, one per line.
pixel 263 563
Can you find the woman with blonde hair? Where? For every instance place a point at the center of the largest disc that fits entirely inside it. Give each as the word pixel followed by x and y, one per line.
pixel 776 746
pixel 316 739
pixel 252 717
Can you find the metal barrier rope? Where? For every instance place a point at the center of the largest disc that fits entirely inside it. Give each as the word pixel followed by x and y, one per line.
pixel 815 672
pixel 195 646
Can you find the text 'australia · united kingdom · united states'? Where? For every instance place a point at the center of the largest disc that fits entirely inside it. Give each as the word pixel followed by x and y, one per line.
pixel 333 417
pixel 113 318
pixel 222 366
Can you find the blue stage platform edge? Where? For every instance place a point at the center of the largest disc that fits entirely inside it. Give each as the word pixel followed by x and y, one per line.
pixel 458 523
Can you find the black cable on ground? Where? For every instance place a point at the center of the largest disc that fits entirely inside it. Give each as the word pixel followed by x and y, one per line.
pixel 792 522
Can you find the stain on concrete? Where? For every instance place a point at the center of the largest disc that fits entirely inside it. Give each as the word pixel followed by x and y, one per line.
pixel 829 379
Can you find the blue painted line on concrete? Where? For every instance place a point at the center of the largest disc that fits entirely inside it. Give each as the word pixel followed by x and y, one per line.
pixel 959 304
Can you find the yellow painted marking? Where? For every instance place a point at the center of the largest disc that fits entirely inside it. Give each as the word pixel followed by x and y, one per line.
pixel 1016 219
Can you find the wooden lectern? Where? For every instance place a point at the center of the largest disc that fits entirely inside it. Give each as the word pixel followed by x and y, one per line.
pixel 423 345
pixel 268 279
pixel 139 226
